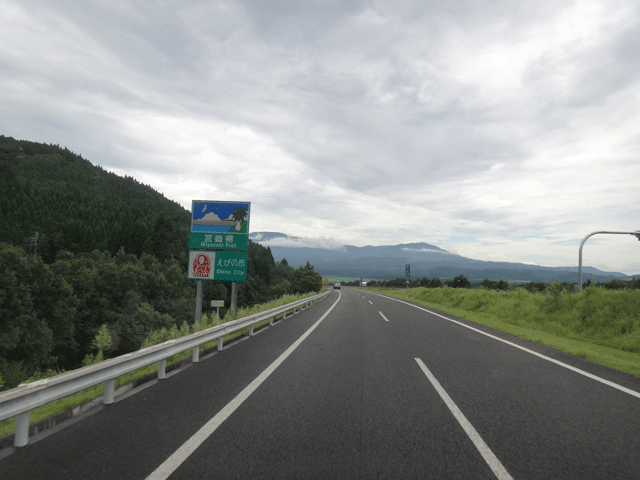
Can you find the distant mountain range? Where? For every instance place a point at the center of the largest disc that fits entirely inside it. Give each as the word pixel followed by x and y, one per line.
pixel 388 261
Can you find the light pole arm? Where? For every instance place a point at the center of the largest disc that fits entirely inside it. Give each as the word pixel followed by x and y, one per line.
pixel 636 234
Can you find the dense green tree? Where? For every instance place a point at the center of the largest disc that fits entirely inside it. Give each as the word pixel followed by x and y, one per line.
pixel 305 279
pixel 26 341
pixel 501 285
pixel 79 207
pixel 103 342
pixel 282 272
pixel 135 321
pixel 458 282
pixel 55 302
pixel 535 287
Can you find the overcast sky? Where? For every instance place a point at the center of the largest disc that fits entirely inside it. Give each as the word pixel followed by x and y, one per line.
pixel 498 130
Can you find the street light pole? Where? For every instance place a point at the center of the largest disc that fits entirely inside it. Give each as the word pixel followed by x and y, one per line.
pixel 636 234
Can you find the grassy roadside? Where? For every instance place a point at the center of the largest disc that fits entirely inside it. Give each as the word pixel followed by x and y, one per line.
pixel 7 427
pixel 546 319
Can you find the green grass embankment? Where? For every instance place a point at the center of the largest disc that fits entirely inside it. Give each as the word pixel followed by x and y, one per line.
pixel 598 324
pixel 7 427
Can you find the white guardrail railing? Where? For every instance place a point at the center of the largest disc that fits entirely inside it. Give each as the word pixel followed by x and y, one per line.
pixel 19 401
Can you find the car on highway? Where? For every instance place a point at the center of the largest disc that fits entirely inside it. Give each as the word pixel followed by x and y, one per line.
pixel 336 285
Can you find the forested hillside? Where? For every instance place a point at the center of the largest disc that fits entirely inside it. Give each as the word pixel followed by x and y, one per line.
pixel 81 247
pixel 52 199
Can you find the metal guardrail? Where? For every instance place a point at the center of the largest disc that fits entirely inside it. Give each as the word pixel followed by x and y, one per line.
pixel 19 401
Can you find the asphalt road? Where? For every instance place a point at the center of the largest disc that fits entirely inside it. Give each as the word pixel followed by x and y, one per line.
pixel 360 386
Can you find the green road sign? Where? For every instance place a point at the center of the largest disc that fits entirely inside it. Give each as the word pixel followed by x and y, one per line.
pixel 217 303
pixel 407 272
pixel 217 265
pixel 218 241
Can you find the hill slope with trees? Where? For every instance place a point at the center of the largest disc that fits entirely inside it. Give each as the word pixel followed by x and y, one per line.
pixel 52 199
pixel 81 247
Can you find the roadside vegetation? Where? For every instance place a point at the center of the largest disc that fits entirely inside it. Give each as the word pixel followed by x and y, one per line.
pixel 94 265
pixel 600 324
pixel 81 247
pixel 101 344
pixel 51 313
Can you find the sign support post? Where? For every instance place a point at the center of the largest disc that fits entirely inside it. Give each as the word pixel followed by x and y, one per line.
pixel 198 302
pixel 217 304
pixel 234 299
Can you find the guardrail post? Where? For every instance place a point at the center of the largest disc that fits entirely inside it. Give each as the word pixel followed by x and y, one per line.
pixel 109 391
pixel 220 343
pixel 195 356
pixel 251 331
pixel 271 321
pixel 21 435
pixel 162 369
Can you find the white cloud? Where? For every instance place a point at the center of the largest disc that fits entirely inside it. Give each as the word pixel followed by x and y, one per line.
pixel 297 242
pixel 498 130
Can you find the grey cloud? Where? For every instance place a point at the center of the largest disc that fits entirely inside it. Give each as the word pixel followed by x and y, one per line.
pixel 355 109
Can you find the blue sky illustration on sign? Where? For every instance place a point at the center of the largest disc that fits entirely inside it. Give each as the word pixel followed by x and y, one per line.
pixel 228 217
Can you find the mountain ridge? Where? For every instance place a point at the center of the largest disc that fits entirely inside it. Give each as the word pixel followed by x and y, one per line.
pixel 385 262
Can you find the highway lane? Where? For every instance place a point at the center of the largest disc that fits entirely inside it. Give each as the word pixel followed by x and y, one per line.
pixel 347 406
pixel 353 401
pixel 540 419
pixel 130 438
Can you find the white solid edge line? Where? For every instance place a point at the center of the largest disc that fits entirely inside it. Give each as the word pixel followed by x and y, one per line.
pixel 552 360
pixel 489 457
pixel 383 315
pixel 187 448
